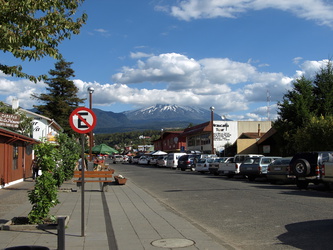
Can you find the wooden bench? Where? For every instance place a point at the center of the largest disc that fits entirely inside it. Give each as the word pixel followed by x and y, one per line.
pixel 95 176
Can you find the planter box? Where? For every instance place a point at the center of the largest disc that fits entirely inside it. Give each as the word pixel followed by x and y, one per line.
pixel 9 226
pixel 120 181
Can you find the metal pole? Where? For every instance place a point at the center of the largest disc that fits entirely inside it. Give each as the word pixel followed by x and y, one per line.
pixel 61 233
pixel 212 127
pixel 90 133
pixel 82 185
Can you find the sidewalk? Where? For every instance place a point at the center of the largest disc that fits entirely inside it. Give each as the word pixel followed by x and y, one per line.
pixel 124 218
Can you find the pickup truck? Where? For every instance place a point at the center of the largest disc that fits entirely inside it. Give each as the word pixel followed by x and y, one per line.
pixel 228 167
pixel 255 167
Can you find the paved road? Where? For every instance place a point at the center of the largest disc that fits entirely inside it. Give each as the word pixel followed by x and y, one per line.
pixel 242 214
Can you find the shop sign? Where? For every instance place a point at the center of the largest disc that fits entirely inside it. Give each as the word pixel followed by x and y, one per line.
pixel 9 120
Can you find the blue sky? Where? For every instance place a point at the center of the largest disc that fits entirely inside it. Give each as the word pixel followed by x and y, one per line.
pixel 239 56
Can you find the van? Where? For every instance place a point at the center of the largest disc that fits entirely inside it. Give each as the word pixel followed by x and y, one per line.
pixel 172 160
pixel 240 158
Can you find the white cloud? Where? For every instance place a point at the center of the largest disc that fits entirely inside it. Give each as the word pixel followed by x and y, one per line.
pixel 231 87
pixel 140 55
pixel 318 10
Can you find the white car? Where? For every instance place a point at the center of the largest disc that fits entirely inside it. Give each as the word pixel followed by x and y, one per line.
pixel 162 161
pixel 153 161
pixel 144 160
pixel 202 166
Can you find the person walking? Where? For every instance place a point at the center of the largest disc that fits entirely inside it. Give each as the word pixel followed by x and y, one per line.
pixel 35 168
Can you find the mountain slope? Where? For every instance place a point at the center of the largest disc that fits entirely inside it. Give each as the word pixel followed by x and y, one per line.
pixel 166 112
pixel 153 117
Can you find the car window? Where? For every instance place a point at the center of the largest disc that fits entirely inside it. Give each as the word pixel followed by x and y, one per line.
pixel 210 160
pixel 249 161
pixel 266 160
pixel 202 161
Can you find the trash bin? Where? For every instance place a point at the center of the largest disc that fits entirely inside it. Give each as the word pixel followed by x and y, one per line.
pixel 27 248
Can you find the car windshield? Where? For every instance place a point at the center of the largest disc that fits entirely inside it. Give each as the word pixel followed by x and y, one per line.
pixel 202 161
pixel 251 160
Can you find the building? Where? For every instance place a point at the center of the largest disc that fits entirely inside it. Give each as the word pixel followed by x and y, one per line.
pixel 226 133
pixel 170 141
pixel 42 126
pixel 16 150
pixel 15 157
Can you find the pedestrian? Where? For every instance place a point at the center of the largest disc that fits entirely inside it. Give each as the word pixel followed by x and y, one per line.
pixel 35 168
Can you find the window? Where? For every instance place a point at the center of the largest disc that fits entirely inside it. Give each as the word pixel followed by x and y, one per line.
pixel 15 156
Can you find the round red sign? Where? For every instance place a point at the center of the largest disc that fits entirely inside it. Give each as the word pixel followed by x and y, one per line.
pixel 82 120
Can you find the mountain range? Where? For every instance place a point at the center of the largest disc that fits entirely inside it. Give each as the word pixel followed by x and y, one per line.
pixel 156 117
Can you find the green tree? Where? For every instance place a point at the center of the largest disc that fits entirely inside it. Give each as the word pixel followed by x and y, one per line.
pixel 34 29
pixel 323 90
pixel 317 134
pixel 309 99
pixel 57 162
pixel 61 97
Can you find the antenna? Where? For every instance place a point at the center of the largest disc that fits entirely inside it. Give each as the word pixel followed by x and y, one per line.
pixel 268 105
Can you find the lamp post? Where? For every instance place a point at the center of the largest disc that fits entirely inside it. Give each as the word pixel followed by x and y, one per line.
pixel 212 127
pixel 162 130
pixel 91 91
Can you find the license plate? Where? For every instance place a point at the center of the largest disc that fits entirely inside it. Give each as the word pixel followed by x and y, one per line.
pixel 249 168
pixel 277 168
pixel 225 172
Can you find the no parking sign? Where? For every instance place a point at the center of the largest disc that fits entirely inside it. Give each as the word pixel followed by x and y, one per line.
pixel 82 120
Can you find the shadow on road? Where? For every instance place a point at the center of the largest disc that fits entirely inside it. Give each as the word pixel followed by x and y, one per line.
pixel 309 235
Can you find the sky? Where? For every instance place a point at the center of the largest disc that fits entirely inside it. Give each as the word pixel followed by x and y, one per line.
pixel 239 56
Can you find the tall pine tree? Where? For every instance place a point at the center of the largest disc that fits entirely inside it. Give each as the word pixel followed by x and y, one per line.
pixel 61 97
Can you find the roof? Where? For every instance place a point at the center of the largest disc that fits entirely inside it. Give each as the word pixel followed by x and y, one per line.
pixel 16 136
pixel 267 135
pixel 203 127
pixel 51 121
pixel 251 135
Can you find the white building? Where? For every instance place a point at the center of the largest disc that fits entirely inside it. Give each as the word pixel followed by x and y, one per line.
pixel 42 126
pixel 198 138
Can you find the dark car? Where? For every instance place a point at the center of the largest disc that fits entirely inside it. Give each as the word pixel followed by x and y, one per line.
pixel 187 162
pixel 307 167
pixel 277 171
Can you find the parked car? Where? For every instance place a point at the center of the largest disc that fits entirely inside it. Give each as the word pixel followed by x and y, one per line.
pixel 255 167
pixel 162 161
pixel 278 171
pixel 172 160
pixel 153 161
pixel 135 159
pixel 118 159
pixel 202 166
pixel 228 167
pixel 188 161
pixel 240 158
pixel 307 167
pixel 143 160
pixel 214 166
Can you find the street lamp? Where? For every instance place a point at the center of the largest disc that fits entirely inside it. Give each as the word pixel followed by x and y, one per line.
pixel 212 127
pixel 162 130
pixel 91 91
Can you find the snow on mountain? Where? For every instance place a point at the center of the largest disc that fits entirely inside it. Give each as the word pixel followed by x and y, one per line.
pixel 168 112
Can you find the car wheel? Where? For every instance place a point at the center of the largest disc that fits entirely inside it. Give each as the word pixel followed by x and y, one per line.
pixel 301 168
pixel 302 184
pixel 251 178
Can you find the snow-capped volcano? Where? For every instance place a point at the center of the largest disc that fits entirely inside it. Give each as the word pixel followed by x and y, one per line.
pixel 167 112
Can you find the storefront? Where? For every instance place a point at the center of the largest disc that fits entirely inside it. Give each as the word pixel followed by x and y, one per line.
pixel 15 157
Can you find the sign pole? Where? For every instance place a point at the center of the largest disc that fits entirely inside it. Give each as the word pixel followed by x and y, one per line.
pixel 82 186
pixel 82 120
